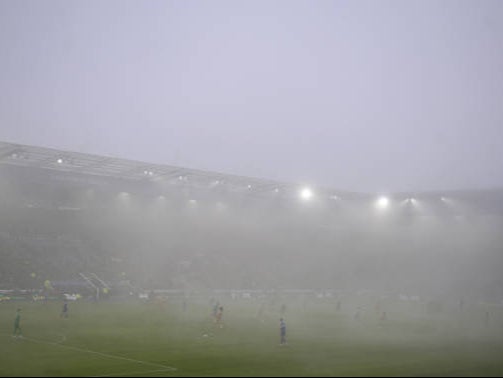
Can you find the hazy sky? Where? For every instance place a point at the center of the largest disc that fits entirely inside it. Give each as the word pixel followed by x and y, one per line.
pixel 356 95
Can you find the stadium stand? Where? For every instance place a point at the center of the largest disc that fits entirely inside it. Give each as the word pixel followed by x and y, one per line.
pixel 156 226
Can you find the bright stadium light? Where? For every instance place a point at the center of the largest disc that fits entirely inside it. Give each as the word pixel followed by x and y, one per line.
pixel 449 201
pixel 215 183
pixel 60 161
pixel 249 186
pixel 409 202
pixel 306 194
pixel 18 155
pixel 382 203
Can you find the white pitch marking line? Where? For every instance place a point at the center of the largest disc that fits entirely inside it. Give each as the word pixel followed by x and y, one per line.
pixel 165 368
pixel 129 373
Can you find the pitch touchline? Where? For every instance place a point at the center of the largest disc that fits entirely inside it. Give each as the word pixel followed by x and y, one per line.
pixel 165 368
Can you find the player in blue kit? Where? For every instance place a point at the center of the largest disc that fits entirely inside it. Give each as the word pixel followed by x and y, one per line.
pixel 282 328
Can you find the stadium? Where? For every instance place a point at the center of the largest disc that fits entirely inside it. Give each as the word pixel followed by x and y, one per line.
pixel 105 231
pixel 163 227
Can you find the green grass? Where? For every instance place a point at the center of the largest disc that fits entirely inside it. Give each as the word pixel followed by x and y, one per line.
pixel 145 339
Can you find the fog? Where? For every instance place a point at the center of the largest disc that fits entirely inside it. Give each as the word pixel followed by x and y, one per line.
pixel 171 235
pixel 363 96
pixel 333 163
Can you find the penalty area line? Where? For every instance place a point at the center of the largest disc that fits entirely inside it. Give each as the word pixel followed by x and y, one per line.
pixel 164 368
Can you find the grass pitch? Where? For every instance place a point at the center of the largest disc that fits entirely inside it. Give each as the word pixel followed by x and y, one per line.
pixel 163 339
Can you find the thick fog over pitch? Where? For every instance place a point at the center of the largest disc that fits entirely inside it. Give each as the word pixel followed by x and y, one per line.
pixel 389 101
pixel 194 233
pixel 328 172
pixel 363 96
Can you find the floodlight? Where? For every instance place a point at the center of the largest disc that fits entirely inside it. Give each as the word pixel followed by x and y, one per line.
pixel 382 202
pixel 60 161
pixel 449 201
pixel 215 183
pixel 18 155
pixel 306 194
